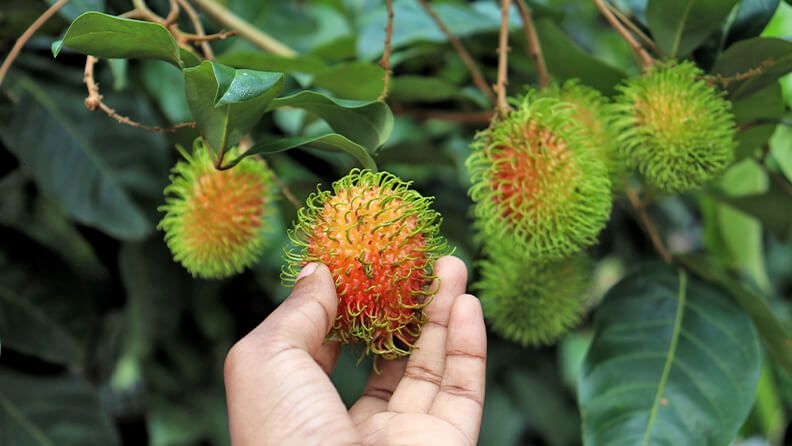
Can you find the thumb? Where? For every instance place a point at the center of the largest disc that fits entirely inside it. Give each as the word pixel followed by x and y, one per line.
pixel 307 315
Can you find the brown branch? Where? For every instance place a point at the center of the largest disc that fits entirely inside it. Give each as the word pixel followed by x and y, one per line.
pixel 641 55
pixel 94 101
pixel 503 59
pixel 22 40
pixel 386 52
pixel 467 59
pixel 173 15
pixel 208 37
pixel 534 48
pixel 648 224
pixel 634 28
pixel 146 13
pixel 198 27
pixel 724 81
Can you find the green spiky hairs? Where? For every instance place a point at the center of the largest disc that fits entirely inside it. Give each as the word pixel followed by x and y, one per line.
pixel 528 302
pixel 379 238
pixel 676 129
pixel 214 220
pixel 591 109
pixel 536 180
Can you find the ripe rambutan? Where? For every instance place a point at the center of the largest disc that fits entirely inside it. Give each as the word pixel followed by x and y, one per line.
pixel 537 181
pixel 531 302
pixel 674 127
pixel 214 220
pixel 380 240
pixel 591 110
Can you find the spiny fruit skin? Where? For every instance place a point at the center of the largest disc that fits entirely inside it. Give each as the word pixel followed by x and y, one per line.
pixel 214 220
pixel 591 109
pixel 536 180
pixel 528 302
pixel 380 240
pixel 674 127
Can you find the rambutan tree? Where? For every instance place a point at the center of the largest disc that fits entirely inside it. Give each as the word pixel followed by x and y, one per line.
pixel 617 176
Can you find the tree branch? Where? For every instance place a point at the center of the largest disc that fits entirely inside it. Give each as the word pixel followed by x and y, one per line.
pixel 534 48
pixel 503 59
pixel 475 72
pixel 146 13
pixel 648 224
pixel 22 40
pixel 641 55
pixel 200 34
pixel 634 28
pixel 386 51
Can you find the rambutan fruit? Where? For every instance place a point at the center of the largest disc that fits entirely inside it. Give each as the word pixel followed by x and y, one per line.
pixel 215 220
pixel 529 302
pixel 379 238
pixel 536 180
pixel 675 128
pixel 591 110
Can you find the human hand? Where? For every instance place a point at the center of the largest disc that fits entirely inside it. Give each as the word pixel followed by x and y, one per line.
pixel 279 391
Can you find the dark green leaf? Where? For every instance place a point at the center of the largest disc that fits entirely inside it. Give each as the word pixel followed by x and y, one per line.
pixel 679 26
pixel 352 80
pixel 567 61
pixel 188 58
pixel 413 88
pixel 44 411
pixel 368 123
pixel 762 60
pixel 673 361
pixel 751 18
pixel 775 337
pixel 226 103
pixel 330 141
pixel 110 37
pixel 766 104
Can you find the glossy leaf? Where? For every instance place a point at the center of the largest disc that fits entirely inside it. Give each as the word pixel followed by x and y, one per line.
pixel 762 60
pixel 368 123
pixel 673 361
pixel 352 80
pixel 226 102
pixel 47 411
pixel 565 60
pixel 751 18
pixel 329 141
pixel 110 37
pixel 679 26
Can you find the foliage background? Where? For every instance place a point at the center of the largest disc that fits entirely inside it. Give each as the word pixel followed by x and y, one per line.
pixel 104 336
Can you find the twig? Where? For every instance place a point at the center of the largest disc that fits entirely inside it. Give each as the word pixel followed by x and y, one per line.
pixel 724 81
pixel 503 58
pixel 173 15
pixel 22 40
pixel 763 121
pixel 478 77
pixel 249 32
pixel 386 51
pixel 634 28
pixel 534 48
pixel 286 192
pixel 222 35
pixel 648 225
pixel 199 29
pixel 94 101
pixel 643 57
pixel 146 13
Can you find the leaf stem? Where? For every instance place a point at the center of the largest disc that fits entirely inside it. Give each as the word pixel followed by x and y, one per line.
pixel 22 40
pixel 534 47
pixel 249 32
pixel 386 52
pixel 503 59
pixel 641 55
pixel 648 224
pixel 467 59
pixel 634 28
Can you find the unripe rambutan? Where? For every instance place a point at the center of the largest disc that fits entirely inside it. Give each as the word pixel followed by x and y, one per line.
pixel 214 220
pixel 530 302
pixel 537 181
pixel 591 110
pixel 674 127
pixel 379 238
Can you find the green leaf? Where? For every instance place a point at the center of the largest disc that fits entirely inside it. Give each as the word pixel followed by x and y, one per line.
pixel 772 208
pixel 413 88
pixel 762 59
pixel 565 60
pixel 776 338
pixel 78 158
pixel 679 26
pixel 673 361
pixel 353 80
pixel 332 142
pixel 766 104
pixel 368 123
pixel 256 60
pixel 74 8
pixel 49 411
pixel 110 37
pixel 226 103
pixel 751 18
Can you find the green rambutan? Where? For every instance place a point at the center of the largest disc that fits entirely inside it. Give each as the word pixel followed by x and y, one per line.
pixel 214 220
pixel 674 127
pixel 536 180
pixel 529 302
pixel 379 238
pixel 591 109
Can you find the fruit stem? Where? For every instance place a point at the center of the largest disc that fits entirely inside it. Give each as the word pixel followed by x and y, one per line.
pixel 643 57
pixel 534 47
pixel 503 59
pixel 648 224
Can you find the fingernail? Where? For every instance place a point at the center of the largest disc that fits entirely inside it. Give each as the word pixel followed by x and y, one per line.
pixel 307 270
